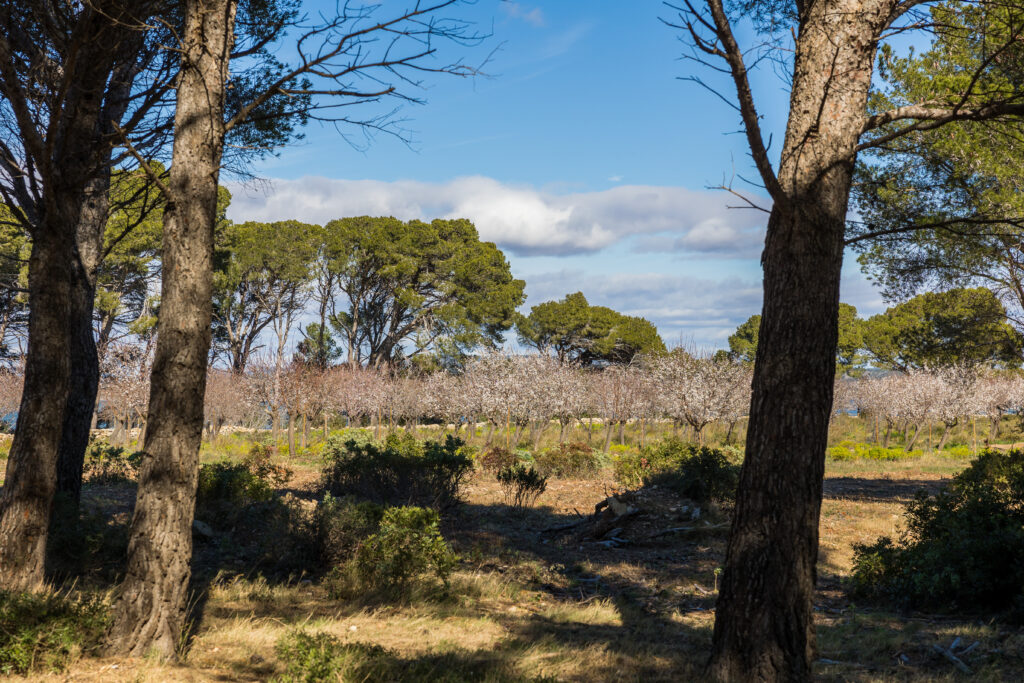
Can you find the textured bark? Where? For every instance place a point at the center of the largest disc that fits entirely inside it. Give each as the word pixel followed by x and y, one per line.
pixel 764 628
pixel 29 482
pixel 85 370
pixel 149 612
pixel 66 162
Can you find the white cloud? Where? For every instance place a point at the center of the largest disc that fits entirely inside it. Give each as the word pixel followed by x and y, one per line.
pixel 523 219
pixel 531 15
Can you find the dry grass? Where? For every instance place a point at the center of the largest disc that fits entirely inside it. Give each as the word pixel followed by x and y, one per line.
pixel 543 605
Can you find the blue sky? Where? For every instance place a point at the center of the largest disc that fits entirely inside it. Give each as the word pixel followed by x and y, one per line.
pixel 582 154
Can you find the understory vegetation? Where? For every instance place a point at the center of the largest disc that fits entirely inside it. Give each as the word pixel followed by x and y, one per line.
pixel 416 557
pixel 962 548
pixel 44 632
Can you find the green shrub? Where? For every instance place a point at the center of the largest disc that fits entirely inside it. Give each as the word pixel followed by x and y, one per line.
pixel 496 458
pixel 320 657
pixel 406 550
pixel 959 452
pixel 46 632
pixel 404 471
pixel 106 464
pixel 963 548
pixel 260 464
pixel 697 472
pixel 227 484
pixel 631 469
pixel 521 485
pixel 568 460
pixel 340 525
pixel 840 453
pixel 848 450
pixel 230 483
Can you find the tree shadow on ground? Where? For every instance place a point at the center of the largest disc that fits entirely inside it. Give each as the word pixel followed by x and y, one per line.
pixel 873 490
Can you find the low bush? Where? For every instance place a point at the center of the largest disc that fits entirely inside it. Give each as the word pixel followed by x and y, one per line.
pixel 848 450
pixel 407 552
pixel 851 451
pixel 565 460
pixel 227 484
pixel 321 658
pixel 496 458
pixel 959 452
pixel 45 632
pixel 316 658
pixel 106 464
pixel 407 546
pixel 230 484
pixel 340 525
pixel 963 548
pixel 403 471
pixel 284 538
pixel 260 464
pixel 521 485
pixel 697 472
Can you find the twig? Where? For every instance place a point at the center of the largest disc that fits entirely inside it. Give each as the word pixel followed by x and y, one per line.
pixel 673 530
pixel 952 657
pixel 563 527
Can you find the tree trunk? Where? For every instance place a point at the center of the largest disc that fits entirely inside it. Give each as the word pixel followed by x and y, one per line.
pixel 291 434
pixel 538 430
pixel 58 265
pixel 622 432
pixel 517 434
pixel 993 433
pixel 764 627
pixel 698 434
pixel 30 481
pixel 946 426
pixel 608 436
pixel 85 367
pixel 148 615
pixel 728 433
pixel 911 441
pixel 84 384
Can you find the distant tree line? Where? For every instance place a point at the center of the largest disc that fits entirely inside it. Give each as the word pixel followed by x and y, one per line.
pixel 957 327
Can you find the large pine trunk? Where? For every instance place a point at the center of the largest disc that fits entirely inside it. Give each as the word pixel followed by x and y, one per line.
pixel 56 266
pixel 30 482
pixel 764 627
pixel 85 370
pixel 149 612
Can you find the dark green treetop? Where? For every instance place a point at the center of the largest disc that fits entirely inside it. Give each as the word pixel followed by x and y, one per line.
pixel 580 333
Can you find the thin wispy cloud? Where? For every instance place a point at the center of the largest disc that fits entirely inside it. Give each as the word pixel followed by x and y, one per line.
pixel 563 41
pixel 517 10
